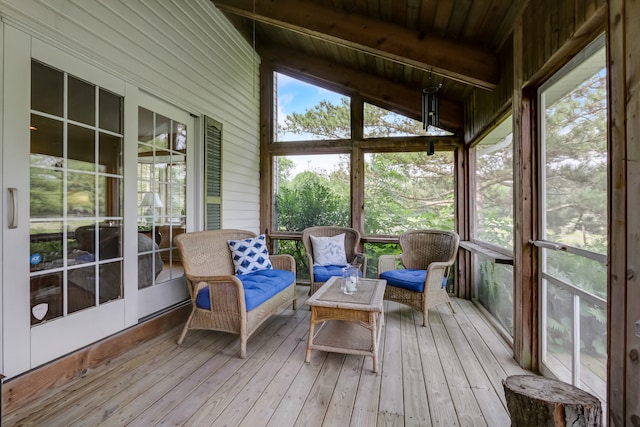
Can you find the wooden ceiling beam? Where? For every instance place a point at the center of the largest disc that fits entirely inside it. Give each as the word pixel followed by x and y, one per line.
pixel 447 58
pixel 395 97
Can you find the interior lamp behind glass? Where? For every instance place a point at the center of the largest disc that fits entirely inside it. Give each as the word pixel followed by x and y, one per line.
pixel 151 201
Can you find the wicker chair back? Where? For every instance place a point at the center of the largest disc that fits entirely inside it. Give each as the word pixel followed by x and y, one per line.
pixel 206 253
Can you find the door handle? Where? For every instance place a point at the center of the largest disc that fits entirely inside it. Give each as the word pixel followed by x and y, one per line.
pixel 13 208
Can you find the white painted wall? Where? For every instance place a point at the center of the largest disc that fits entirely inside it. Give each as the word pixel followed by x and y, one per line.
pixel 184 52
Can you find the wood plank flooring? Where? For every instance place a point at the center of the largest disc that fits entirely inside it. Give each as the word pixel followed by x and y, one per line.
pixel 446 374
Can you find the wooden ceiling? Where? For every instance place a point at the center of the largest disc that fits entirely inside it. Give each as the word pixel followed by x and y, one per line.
pixel 385 50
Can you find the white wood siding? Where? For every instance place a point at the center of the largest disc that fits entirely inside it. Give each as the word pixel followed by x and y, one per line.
pixel 184 52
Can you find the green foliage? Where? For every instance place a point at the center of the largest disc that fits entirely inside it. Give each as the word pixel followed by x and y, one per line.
pixel 402 190
pixel 309 200
pixel 579 271
pixel 494 195
pixel 380 123
pixel 593 325
pixel 325 120
pixel 373 252
pixel 495 292
pixel 330 121
pixel 576 166
pixel 295 248
pixel 408 191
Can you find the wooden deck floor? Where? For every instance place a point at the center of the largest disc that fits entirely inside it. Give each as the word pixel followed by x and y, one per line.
pixel 448 373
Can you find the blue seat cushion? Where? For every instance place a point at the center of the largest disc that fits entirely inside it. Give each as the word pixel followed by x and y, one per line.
pixel 412 280
pixel 258 286
pixel 322 273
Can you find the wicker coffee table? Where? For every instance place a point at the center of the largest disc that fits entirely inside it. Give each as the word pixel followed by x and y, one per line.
pixel 349 324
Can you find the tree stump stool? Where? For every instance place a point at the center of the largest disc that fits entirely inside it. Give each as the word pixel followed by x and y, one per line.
pixel 539 401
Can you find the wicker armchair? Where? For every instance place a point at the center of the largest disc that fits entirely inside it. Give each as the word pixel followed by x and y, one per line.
pixel 430 250
pixel 207 262
pixel 352 240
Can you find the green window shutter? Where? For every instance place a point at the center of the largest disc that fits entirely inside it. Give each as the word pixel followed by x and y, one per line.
pixel 213 174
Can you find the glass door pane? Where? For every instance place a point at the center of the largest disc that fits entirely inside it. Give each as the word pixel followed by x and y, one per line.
pixel 75 195
pixel 162 199
pixel 573 245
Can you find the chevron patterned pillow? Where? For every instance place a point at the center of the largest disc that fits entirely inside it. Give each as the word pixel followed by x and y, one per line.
pixel 250 254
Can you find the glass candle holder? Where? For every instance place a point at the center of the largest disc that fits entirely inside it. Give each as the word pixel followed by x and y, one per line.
pixel 349 279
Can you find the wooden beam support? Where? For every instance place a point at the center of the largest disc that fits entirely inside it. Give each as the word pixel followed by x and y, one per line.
pixel 623 331
pixel 357 166
pixel 525 280
pixel 395 97
pixel 266 163
pixel 465 63
pixel 377 145
pixel 463 174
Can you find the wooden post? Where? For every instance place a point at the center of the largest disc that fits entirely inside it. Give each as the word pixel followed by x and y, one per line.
pixel 1 379
pixel 538 401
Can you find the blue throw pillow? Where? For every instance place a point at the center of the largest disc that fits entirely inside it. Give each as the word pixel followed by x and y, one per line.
pixel 250 254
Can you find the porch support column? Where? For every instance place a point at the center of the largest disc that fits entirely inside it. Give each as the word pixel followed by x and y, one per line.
pixel 623 385
pixel 357 164
pixel 525 283
pixel 266 134
pixel 463 181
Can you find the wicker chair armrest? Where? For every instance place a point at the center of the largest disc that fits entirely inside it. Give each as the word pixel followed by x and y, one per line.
pixel 224 291
pixel 441 264
pixel 283 262
pixel 310 264
pixel 196 283
pixel 387 262
pixel 435 273
pixel 361 259
pixel 213 279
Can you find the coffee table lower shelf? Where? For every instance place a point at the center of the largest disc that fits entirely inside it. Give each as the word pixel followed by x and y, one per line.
pixel 341 336
pixel 347 324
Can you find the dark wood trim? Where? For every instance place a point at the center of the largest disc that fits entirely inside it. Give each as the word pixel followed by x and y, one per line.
pixel 411 143
pixel 463 179
pixel 373 145
pixel 623 334
pixel 617 235
pixel 525 283
pixel 585 32
pixel 285 235
pixel 266 160
pixel 20 390
pixel 386 239
pixel 357 166
pixel 488 253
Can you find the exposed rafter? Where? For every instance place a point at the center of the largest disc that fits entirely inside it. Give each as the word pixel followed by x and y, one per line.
pixel 379 91
pixel 450 59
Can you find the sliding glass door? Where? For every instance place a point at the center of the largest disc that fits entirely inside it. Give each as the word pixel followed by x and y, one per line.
pixel 76 265
pixel 573 222
pixel 63 163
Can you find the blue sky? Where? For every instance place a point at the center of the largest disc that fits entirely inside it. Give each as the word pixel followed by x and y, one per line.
pixel 297 96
